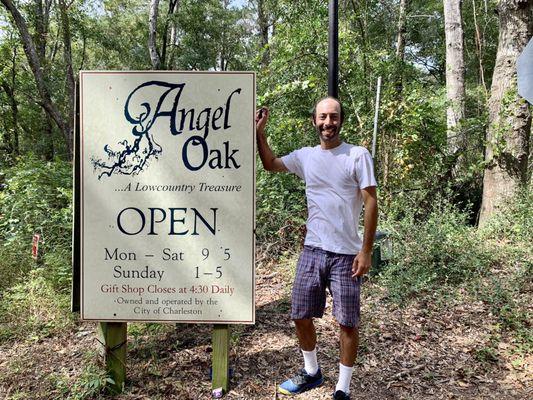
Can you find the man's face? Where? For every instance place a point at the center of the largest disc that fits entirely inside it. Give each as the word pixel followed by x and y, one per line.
pixel 328 121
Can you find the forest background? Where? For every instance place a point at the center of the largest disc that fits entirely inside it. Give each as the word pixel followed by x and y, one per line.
pixel 453 153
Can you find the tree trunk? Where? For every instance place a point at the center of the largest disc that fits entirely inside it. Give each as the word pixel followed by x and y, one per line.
pixel 67 55
pixel 262 20
pixel 35 65
pixel 479 49
pixel 48 150
pixel 389 144
pixel 400 45
pixel 508 136
pixel 152 34
pixel 455 74
pixel 169 37
pixel 12 140
pixel 41 23
pixel 10 134
pixel 361 23
pixel 402 29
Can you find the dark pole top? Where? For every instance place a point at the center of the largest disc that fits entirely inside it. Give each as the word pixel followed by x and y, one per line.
pixel 333 49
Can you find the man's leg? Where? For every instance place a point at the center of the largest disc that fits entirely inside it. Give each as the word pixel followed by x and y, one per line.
pixel 305 330
pixel 310 376
pixel 349 338
pixel 308 300
pixel 346 309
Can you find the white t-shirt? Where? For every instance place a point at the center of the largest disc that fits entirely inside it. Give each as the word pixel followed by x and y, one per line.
pixel 333 182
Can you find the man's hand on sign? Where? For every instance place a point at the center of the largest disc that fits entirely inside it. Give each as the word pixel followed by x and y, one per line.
pixel 361 264
pixel 261 118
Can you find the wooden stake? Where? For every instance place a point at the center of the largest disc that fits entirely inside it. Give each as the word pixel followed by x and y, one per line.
pixel 113 336
pixel 220 358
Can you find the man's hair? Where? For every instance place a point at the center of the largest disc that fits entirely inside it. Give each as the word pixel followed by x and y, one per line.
pixel 326 98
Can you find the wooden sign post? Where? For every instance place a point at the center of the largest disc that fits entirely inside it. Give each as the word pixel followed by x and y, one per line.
pixel 167 205
pixel 220 357
pixel 113 338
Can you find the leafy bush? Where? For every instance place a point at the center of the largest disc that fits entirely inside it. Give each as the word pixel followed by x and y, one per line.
pixel 37 199
pixel 93 381
pixel 15 261
pixel 34 297
pixel 509 302
pixel 514 223
pixel 433 253
pixel 281 209
pixel 509 293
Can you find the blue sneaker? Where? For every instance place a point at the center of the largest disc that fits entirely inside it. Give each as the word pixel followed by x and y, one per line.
pixel 301 382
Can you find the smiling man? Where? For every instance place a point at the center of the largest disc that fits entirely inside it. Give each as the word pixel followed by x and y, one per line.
pixel 339 179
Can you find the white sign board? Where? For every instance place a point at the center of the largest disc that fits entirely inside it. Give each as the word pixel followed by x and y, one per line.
pixel 524 66
pixel 167 196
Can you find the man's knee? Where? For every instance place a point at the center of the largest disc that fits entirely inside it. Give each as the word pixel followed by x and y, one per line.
pixel 303 324
pixel 349 330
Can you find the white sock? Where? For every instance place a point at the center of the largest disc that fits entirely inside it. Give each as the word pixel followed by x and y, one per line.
pixel 310 362
pixel 345 376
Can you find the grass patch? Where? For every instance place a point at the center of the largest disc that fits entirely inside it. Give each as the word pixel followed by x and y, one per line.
pixel 33 309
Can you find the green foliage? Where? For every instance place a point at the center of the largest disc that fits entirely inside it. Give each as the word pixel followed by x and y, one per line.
pixel 15 261
pixel 438 252
pixel 37 199
pixel 103 29
pixel 510 303
pixel 508 235
pixel 211 36
pixel 33 310
pixel 514 224
pixel 282 210
pixel 92 383
pixel 487 354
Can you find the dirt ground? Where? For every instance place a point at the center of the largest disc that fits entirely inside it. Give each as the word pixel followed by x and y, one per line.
pixel 428 350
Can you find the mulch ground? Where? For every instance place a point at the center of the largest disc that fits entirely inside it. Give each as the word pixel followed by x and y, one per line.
pixel 427 350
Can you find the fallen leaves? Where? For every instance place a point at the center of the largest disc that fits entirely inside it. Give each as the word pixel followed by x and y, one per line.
pixel 424 351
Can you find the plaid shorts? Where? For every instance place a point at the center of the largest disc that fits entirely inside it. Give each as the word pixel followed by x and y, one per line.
pixel 318 269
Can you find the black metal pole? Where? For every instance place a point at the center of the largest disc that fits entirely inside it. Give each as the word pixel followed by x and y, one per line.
pixel 333 49
pixel 76 229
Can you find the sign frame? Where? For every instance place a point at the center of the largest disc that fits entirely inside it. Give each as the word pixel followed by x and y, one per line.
pixel 78 300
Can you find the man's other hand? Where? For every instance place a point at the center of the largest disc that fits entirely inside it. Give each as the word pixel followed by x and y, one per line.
pixel 361 264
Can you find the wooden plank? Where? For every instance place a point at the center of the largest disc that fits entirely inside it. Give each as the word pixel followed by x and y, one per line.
pixel 220 357
pixel 113 336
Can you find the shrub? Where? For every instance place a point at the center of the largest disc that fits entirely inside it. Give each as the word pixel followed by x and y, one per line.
pixel 34 297
pixel 37 199
pixel 514 223
pixel 429 254
pixel 281 209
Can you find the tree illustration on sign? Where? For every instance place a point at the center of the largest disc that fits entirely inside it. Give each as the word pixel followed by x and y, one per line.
pixel 127 158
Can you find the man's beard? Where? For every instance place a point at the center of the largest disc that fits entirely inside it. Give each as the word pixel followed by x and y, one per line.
pixel 335 130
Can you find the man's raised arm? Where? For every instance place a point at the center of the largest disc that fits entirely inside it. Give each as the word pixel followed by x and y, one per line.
pixel 268 158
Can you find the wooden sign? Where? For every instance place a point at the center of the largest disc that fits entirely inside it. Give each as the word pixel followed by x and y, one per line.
pixel 167 196
pixel 35 246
